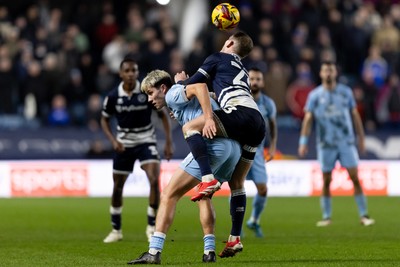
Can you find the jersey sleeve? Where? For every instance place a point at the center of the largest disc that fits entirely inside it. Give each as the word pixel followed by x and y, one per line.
pixel 176 97
pixel 352 101
pixel 271 108
pixel 108 106
pixel 205 71
pixel 311 102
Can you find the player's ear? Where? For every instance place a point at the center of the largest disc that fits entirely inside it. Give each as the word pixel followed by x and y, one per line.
pixel 163 88
pixel 230 43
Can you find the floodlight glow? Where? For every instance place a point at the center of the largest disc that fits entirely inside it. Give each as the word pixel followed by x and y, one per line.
pixel 163 2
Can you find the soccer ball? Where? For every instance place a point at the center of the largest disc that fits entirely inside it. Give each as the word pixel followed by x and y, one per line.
pixel 225 16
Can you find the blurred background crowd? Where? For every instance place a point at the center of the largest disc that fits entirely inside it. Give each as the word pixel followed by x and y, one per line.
pixel 58 59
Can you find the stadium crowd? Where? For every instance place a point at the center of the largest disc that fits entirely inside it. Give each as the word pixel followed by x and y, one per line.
pixel 58 59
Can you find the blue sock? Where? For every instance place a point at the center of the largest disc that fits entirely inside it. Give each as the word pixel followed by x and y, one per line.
pixel 209 243
pixel 198 147
pixel 326 206
pixel 361 204
pixel 237 209
pixel 258 206
pixel 156 242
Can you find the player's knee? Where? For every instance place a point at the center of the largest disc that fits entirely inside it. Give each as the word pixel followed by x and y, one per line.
pixel 189 133
pixel 262 191
pixel 248 152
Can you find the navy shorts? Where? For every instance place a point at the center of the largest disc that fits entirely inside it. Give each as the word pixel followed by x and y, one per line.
pixel 245 125
pixel 124 162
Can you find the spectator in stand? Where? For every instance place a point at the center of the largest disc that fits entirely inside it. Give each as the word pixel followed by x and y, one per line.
pixel 387 39
pixel 299 89
pixel 376 66
pixel 277 79
pixel 8 87
pixel 370 93
pixel 58 114
pixel 388 102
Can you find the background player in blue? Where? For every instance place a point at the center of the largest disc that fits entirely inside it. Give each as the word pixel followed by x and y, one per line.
pixel 238 118
pixel 135 140
pixel 258 173
pixel 333 108
pixel 224 153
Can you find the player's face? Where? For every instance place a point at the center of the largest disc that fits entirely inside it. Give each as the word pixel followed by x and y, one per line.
pixel 156 97
pixel 328 73
pixel 129 72
pixel 256 81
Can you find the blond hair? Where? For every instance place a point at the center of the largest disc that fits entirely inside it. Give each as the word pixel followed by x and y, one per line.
pixel 154 79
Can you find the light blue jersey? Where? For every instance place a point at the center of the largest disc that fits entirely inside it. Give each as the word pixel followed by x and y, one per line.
pixel 258 173
pixel 334 127
pixel 332 114
pixel 224 153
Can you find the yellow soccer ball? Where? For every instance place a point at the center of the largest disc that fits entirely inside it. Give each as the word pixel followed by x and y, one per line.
pixel 225 16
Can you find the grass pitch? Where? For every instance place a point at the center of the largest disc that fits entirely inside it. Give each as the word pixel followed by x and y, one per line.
pixel 69 232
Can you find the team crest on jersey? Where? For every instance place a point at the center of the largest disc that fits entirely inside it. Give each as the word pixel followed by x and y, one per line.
pixel 142 98
pixel 120 101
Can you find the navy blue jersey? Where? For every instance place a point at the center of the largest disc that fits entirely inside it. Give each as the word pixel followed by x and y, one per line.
pixel 133 114
pixel 230 80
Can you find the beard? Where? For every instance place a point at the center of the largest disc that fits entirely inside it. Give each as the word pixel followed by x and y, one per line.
pixel 255 89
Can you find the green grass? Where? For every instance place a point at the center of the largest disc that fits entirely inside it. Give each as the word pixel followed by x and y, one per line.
pixel 69 232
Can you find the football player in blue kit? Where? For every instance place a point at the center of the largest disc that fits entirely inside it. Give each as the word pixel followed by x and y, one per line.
pixel 135 140
pixel 258 173
pixel 185 102
pixel 333 108
pixel 238 118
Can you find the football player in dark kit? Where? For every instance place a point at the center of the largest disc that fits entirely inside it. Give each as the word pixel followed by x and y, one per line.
pixel 239 118
pixel 135 140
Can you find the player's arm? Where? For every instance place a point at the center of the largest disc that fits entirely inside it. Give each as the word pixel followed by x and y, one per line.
pixel 305 133
pixel 169 147
pixel 182 78
pixel 359 129
pixel 200 91
pixel 274 137
pixel 105 126
pixel 203 73
pixel 107 113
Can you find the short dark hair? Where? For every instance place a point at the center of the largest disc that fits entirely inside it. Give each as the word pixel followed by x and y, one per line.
pixel 328 62
pixel 245 43
pixel 255 69
pixel 127 59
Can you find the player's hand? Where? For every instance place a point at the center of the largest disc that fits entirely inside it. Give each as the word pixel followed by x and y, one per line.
pixel 271 153
pixel 302 150
pixel 119 147
pixel 171 114
pixel 209 129
pixel 180 76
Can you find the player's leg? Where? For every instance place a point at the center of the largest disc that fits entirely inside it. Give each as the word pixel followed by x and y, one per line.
pixel 181 182
pixel 116 208
pixel 327 158
pixel 122 167
pixel 192 132
pixel 150 163
pixel 258 205
pixel 152 170
pixel 207 220
pixel 349 160
pixel 258 175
